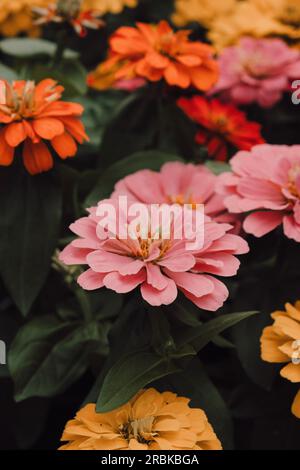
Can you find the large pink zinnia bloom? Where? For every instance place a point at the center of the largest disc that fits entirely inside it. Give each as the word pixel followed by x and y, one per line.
pixel 257 70
pixel 265 180
pixel 178 183
pixel 158 267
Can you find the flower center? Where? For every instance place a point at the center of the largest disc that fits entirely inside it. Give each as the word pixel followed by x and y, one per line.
pixel 294 181
pixel 139 429
pixel 182 199
pixel 18 100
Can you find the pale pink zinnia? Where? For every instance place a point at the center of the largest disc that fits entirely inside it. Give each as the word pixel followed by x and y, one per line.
pixel 178 183
pixel 257 70
pixel 266 182
pixel 159 267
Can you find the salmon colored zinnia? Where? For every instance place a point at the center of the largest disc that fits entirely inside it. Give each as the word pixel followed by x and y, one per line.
pixel 149 421
pixel 32 116
pixel 147 258
pixel 280 343
pixel 221 125
pixel 157 52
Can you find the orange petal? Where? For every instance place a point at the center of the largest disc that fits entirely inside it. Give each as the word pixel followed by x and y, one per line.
pixel 37 157
pixel 48 128
pixel 6 152
pixel 75 128
pixel 176 74
pixel 296 405
pixel 15 134
pixel 64 145
pixel 291 372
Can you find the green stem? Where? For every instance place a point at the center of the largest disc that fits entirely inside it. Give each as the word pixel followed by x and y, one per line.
pixel 60 47
pixel 84 303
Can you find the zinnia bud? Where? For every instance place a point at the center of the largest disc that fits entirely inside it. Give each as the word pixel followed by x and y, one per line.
pixel 68 8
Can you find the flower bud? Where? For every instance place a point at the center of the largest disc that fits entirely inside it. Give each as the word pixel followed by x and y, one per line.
pixel 68 8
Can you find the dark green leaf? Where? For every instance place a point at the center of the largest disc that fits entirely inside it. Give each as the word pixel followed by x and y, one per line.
pixel 7 73
pixel 130 374
pixel 199 337
pixel 48 355
pixel 30 217
pixel 27 47
pixel 217 167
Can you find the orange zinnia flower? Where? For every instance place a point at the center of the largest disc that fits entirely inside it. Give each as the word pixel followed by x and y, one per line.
pixel 156 52
pixel 31 114
pixel 150 421
pixel 280 343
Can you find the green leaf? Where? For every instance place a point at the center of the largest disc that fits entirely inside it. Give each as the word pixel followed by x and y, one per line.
pixel 217 167
pixel 31 210
pixel 7 73
pixel 151 160
pixel 25 48
pixel 130 374
pixel 48 355
pixel 70 73
pixel 200 336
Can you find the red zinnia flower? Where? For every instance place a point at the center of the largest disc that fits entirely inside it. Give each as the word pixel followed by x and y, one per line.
pixel 221 125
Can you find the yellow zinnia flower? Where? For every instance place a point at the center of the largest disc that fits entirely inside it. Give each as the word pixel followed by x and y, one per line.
pixel 257 18
pixel 150 421
pixel 201 11
pixel 109 6
pixel 280 343
pixel 16 17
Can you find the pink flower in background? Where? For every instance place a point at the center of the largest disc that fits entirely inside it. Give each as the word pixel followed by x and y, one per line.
pixel 257 70
pixel 178 183
pixel 265 180
pixel 130 84
pixel 159 267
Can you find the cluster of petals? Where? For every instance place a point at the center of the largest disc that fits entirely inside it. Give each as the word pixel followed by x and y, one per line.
pixel 249 73
pixel 222 126
pixel 258 19
pixel 178 183
pixel 157 52
pixel 280 344
pixel 159 266
pixel 266 183
pixel 33 117
pixel 149 421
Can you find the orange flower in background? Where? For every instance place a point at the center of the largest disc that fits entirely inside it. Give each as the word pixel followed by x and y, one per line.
pixel 280 343
pixel 150 421
pixel 33 116
pixel 157 52
pixel 221 125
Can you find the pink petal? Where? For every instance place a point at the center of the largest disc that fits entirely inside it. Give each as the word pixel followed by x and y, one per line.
pixel 72 255
pixel 212 301
pixel 261 223
pixel 157 297
pixel 123 284
pixel 104 262
pixel 196 284
pixel 89 280
pixel 291 228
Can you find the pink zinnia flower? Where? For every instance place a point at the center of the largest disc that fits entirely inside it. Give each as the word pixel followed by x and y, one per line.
pixel 257 70
pixel 159 267
pixel 178 183
pixel 266 181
